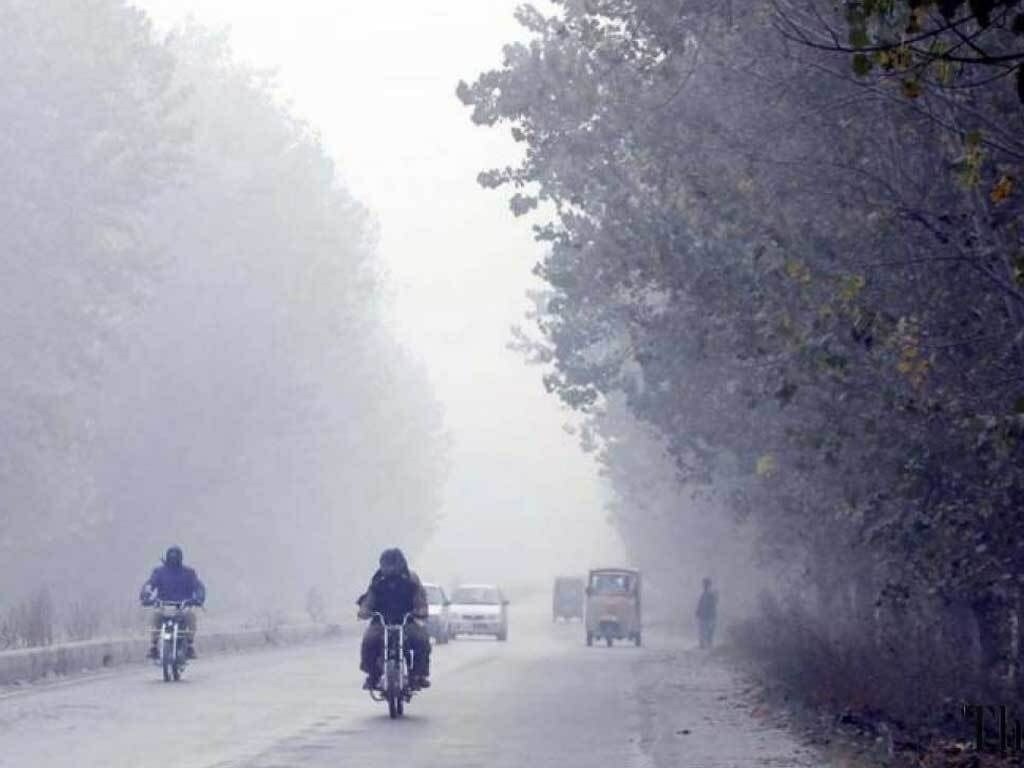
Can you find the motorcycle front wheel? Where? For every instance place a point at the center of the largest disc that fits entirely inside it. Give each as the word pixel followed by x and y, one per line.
pixel 167 658
pixel 392 681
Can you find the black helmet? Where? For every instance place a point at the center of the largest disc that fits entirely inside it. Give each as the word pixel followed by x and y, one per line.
pixel 392 561
pixel 174 557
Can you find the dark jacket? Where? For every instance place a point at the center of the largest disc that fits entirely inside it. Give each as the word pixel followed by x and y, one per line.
pixel 166 583
pixel 707 606
pixel 394 597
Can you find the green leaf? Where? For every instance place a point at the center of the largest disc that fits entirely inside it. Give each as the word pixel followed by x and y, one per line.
pixel 766 465
pixel 861 64
pixel 859 37
pixel 1018 269
pixel 944 72
pixel 912 88
pixel 522 204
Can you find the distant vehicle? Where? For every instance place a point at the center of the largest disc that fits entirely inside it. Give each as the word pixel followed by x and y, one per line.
pixel 567 598
pixel 438 623
pixel 613 606
pixel 478 609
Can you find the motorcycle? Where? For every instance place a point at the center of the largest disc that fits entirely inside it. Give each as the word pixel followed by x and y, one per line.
pixel 395 665
pixel 172 645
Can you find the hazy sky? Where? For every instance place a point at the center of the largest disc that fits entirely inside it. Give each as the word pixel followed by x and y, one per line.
pixel 378 80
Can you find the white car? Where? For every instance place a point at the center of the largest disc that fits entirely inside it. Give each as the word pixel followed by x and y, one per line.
pixel 478 609
pixel 437 620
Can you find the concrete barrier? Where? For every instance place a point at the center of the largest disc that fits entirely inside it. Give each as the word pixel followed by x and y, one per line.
pixel 31 664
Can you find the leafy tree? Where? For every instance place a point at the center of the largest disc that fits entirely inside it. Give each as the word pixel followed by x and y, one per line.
pixel 90 134
pixel 943 43
pixel 194 326
pixel 806 286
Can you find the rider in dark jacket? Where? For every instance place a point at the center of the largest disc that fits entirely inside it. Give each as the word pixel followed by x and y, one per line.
pixel 174 582
pixel 395 591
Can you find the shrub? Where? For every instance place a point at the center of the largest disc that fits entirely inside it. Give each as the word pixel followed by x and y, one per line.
pixel 29 624
pixel 82 619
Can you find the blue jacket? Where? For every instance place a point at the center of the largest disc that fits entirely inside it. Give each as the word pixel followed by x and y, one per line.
pixel 174 584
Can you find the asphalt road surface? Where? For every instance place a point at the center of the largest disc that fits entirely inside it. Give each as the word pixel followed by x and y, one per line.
pixel 541 699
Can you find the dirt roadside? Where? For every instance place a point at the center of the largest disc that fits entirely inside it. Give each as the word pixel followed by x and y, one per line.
pixel 708 710
pixel 698 712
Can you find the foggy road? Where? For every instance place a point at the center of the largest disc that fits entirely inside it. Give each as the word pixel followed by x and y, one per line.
pixel 541 699
pixel 730 293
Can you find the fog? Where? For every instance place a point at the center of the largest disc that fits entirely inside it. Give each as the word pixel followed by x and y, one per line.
pixel 215 371
pixel 198 369
pixel 457 265
pixel 716 292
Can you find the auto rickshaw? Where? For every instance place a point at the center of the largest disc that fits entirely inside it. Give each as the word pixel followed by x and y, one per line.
pixel 567 598
pixel 613 605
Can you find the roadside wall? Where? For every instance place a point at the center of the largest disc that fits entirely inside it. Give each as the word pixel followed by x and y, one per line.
pixel 30 664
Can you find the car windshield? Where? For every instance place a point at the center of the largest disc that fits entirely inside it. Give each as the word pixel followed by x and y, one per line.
pixel 603 583
pixel 435 595
pixel 476 596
